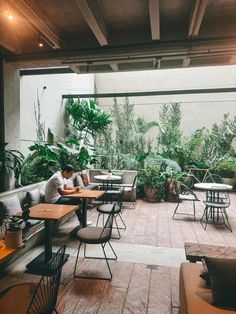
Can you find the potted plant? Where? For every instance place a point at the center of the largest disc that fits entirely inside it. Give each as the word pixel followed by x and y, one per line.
pixel 13 233
pixel 226 168
pixel 174 179
pixel 153 183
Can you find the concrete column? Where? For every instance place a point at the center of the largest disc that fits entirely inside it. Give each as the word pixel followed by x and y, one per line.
pixel 12 106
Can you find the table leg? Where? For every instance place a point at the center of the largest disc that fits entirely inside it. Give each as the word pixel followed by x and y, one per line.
pixel 84 209
pixel 48 240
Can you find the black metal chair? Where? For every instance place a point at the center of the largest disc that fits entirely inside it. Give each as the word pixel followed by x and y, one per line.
pixel 187 195
pixel 96 235
pixel 215 208
pixel 29 298
pixel 130 190
pixel 106 209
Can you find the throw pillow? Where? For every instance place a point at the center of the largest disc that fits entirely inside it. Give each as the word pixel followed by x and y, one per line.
pixel 33 197
pixel 85 178
pixel 222 273
pixel 78 181
pixel 9 206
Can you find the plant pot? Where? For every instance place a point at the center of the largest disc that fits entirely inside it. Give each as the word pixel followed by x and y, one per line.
pixel 152 194
pixel 230 181
pixel 172 190
pixel 13 239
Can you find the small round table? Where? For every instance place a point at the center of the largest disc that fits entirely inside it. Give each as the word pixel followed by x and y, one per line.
pixel 213 186
pixel 106 179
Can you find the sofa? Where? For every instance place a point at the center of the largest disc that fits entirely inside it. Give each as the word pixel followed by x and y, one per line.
pixel 195 297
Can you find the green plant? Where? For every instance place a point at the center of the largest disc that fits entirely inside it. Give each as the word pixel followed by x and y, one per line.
pixel 40 126
pixel 226 168
pixel 153 177
pixel 125 144
pixel 11 161
pixel 13 223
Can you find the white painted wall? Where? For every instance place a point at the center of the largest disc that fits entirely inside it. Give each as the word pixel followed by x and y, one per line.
pixel 52 106
pixel 197 110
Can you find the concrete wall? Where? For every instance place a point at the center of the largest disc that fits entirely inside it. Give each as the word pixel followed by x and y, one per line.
pixel 52 106
pixel 197 110
pixel 12 106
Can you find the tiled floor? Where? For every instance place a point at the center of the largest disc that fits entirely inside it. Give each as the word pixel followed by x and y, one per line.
pixel 145 280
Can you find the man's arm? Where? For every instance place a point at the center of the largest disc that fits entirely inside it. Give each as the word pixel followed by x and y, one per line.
pixel 66 190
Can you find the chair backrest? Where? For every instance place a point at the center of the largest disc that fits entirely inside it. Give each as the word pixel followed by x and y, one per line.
pixel 109 223
pixel 120 198
pixel 217 196
pixel 134 182
pixel 45 296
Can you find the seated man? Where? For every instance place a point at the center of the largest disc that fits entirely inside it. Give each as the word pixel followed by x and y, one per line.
pixel 57 188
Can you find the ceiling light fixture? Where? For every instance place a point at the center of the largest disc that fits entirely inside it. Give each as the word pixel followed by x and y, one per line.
pixel 10 17
pixel 40 45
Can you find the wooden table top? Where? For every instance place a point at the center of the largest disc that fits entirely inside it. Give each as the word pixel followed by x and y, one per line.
pixel 89 194
pixel 44 211
pixel 7 252
pixel 194 251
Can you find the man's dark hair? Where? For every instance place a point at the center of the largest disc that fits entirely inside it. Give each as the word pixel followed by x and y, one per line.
pixel 68 168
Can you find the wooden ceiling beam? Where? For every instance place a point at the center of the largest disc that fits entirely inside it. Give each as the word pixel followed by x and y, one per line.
pixel 154 12
pixel 196 17
pixel 94 18
pixel 36 17
pixel 6 39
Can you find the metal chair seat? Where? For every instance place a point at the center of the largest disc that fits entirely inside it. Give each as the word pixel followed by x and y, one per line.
pixel 187 197
pixel 107 208
pixel 93 235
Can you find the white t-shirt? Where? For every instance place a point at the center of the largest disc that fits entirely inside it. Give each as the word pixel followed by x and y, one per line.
pixel 54 183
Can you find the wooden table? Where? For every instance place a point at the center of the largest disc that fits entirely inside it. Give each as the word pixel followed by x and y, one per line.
pixel 6 252
pixel 86 195
pixel 49 213
pixel 194 252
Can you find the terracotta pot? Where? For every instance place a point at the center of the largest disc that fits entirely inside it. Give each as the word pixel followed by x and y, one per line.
pixel 13 239
pixel 152 194
pixel 173 187
pixel 230 181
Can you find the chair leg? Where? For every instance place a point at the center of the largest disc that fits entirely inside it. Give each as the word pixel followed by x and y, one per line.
pixel 99 214
pixel 92 257
pixel 104 252
pixel 175 210
pixel 226 220
pixel 194 211
pixel 122 220
pixel 112 250
pixel 77 257
pixel 118 230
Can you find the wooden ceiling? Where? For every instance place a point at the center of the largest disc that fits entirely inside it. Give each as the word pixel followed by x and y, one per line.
pixel 111 35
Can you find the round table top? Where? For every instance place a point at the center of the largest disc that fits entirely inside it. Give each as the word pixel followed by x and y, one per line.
pixel 105 177
pixel 213 186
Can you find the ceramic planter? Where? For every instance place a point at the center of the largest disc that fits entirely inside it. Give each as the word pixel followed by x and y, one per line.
pixel 152 194
pixel 13 239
